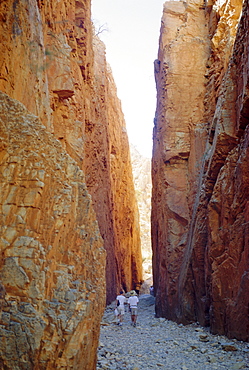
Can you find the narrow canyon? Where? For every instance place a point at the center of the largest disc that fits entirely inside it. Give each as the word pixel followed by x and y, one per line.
pixel 200 166
pixel 72 197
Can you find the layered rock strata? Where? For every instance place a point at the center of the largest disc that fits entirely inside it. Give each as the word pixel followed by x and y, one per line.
pixel 55 67
pixel 109 179
pixel 52 266
pixel 199 261
pixel 52 63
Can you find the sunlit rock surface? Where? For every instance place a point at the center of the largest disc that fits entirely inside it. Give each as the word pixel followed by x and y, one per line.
pixel 109 179
pixel 53 64
pixel 141 168
pixel 200 186
pixel 52 265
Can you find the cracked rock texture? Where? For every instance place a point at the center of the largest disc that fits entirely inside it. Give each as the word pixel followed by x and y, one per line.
pixel 200 166
pixel 55 66
pixel 70 239
pixel 109 179
pixel 52 257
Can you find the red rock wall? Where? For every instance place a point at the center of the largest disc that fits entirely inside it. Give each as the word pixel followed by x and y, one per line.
pixel 125 209
pixel 228 247
pixel 52 266
pixel 51 63
pixel 109 179
pixel 47 62
pixel 62 77
pixel 177 142
pixel 210 270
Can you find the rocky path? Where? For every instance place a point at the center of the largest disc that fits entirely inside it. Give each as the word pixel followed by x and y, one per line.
pixel 162 344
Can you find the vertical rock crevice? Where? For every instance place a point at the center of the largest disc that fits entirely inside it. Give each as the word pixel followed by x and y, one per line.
pixel 209 257
pixel 178 129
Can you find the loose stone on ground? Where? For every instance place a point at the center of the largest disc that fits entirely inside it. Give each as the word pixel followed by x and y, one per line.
pixel 156 343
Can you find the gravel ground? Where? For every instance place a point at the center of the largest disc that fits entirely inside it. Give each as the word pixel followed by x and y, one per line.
pixel 156 343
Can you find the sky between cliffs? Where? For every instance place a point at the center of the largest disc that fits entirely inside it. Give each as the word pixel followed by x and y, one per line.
pixel 131 41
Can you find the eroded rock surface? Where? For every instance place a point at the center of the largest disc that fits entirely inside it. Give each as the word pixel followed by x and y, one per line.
pixel 52 256
pixel 178 141
pixel 55 66
pixel 109 179
pixel 200 195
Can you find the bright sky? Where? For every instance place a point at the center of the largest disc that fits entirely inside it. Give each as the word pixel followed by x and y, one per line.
pixel 131 41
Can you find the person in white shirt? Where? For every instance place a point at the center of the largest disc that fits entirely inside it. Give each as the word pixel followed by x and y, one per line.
pixel 132 302
pixel 120 301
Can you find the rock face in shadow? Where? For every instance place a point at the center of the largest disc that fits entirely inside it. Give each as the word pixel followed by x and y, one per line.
pixel 200 187
pixel 177 142
pixel 67 186
pixel 227 212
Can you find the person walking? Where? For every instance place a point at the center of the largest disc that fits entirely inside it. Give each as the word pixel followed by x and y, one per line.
pixel 132 302
pixel 152 290
pixel 120 301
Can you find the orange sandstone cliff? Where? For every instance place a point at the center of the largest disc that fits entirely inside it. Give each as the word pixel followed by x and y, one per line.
pixel 55 66
pixel 52 257
pixel 200 161
pixel 69 221
pixel 109 179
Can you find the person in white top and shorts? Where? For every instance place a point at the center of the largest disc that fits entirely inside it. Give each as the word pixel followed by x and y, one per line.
pixel 120 301
pixel 132 302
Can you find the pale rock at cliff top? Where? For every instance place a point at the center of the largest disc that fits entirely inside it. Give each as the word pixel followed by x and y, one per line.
pixel 141 169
